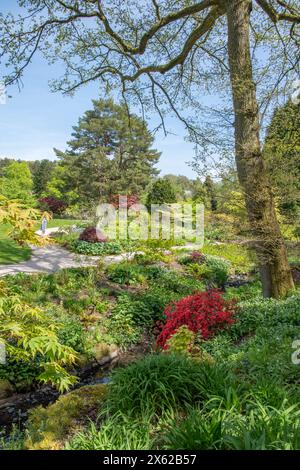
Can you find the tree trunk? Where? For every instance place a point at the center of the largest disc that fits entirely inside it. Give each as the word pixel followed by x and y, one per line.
pixel 269 244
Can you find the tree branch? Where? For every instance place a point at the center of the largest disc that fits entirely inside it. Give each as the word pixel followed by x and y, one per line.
pixel 276 16
pixel 171 17
pixel 198 32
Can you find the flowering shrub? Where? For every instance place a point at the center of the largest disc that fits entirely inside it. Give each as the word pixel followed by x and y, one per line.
pixel 197 257
pixel 131 200
pixel 204 313
pixel 52 204
pixel 92 235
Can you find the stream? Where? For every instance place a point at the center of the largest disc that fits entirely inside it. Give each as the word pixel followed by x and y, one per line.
pixel 14 409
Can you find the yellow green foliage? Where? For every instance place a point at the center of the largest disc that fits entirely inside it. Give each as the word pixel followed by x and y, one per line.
pixel 183 342
pixel 49 428
pixel 29 334
pixel 22 220
pixel 241 258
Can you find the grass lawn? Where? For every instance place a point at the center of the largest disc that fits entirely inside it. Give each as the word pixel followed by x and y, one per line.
pixel 10 251
pixel 60 223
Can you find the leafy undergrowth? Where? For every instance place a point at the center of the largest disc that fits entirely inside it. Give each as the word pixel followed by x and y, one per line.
pixel 242 259
pixel 245 398
pixel 236 388
pixel 88 313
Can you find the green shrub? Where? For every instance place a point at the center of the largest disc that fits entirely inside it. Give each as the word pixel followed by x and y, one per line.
pixel 211 268
pixel 261 427
pixel 96 249
pixel 266 312
pixel 181 341
pixel 125 273
pixel 72 333
pixel 218 270
pixel 268 354
pixel 120 327
pixel 150 256
pixel 250 291
pixel 162 192
pixel 31 337
pixel 241 258
pixel 154 301
pixel 183 285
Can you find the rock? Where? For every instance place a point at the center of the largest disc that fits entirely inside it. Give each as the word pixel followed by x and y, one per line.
pixel 6 389
pixel 104 353
pixel 49 428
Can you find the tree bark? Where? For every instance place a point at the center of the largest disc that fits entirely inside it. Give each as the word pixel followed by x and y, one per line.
pixel 271 251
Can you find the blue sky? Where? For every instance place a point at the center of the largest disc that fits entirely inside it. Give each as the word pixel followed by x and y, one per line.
pixel 35 120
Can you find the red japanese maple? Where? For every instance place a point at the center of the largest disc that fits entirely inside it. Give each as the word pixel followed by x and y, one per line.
pixel 52 204
pixel 92 235
pixel 204 313
pixel 126 201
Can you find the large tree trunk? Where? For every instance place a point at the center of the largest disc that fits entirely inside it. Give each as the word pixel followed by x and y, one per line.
pixel 269 244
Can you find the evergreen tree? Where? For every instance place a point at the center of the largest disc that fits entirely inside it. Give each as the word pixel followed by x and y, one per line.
pixel 211 193
pixel 110 153
pixel 41 172
pixel 162 192
pixel 282 154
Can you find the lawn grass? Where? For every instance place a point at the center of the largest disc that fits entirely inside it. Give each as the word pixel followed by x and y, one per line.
pixel 10 251
pixel 241 258
pixel 60 223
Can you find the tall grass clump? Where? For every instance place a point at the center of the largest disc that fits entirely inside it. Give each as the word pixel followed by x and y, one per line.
pixel 161 383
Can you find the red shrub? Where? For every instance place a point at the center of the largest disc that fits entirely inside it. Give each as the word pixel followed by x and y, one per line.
pixel 52 204
pixel 126 203
pixel 92 235
pixel 204 313
pixel 197 257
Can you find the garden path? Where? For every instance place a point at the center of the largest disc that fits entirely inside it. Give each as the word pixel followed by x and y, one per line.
pixel 52 258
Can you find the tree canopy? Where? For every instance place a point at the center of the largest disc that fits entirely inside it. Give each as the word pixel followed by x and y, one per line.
pixel 110 153
pixel 16 182
pixel 167 55
pixel 282 153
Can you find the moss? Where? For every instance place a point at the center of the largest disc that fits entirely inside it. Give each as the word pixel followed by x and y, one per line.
pixel 49 428
pixel 6 388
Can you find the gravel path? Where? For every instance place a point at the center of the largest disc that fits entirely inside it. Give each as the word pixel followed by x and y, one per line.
pixel 52 258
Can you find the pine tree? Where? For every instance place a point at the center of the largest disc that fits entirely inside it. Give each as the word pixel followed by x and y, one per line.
pixel 110 153
pixel 41 172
